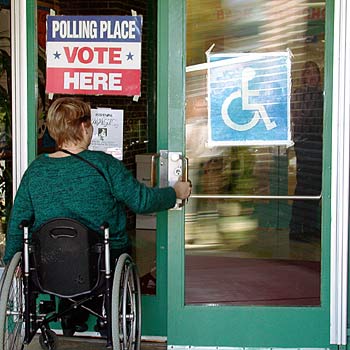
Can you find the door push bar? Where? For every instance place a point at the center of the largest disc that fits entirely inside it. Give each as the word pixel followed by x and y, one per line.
pixel 233 196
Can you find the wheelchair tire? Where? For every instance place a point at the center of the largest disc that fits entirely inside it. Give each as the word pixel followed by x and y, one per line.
pixel 51 340
pixel 12 306
pixel 126 305
pixel 3 276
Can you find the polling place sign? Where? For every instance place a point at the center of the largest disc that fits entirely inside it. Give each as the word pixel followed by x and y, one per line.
pixel 94 55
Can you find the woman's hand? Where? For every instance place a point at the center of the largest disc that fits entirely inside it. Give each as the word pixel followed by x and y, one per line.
pixel 183 189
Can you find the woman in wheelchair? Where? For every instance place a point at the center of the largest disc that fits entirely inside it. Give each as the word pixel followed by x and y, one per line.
pixel 87 186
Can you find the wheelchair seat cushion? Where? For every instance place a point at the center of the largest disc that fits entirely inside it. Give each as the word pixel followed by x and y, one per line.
pixel 66 257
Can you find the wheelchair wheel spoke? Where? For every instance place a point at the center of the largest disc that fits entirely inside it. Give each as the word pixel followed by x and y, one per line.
pixel 14 330
pixel 11 308
pixel 126 307
pixel 128 332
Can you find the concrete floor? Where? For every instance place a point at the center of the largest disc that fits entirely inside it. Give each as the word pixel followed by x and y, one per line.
pixel 74 343
pixel 80 343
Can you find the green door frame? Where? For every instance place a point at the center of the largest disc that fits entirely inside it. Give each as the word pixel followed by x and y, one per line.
pixel 236 326
pixel 155 315
pixel 32 78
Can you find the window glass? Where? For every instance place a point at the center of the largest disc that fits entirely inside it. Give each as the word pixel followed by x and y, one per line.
pixel 253 224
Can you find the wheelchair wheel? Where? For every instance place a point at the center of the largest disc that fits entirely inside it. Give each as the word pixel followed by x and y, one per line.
pixel 126 305
pixel 12 306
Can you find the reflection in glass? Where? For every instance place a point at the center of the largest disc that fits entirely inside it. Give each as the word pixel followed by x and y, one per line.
pixel 307 120
pixel 251 250
pixel 5 124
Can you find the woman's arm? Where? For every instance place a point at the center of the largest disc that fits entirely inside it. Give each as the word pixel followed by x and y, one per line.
pixel 140 198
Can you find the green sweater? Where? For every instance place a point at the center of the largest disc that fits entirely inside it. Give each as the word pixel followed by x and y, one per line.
pixel 69 187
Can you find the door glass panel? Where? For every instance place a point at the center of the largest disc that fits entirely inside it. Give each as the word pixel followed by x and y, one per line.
pixel 139 130
pixel 244 243
pixel 5 122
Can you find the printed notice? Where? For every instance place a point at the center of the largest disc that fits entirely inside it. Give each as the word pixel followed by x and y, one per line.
pixel 94 55
pixel 108 131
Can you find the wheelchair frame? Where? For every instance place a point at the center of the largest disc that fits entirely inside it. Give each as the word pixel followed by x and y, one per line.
pixel 20 322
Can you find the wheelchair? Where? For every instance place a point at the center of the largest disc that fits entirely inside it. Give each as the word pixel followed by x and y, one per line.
pixel 66 260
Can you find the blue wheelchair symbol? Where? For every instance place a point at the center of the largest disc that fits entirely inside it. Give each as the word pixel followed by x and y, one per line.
pixel 244 93
pixel 249 99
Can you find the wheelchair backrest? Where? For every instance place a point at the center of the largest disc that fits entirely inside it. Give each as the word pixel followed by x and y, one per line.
pixel 66 258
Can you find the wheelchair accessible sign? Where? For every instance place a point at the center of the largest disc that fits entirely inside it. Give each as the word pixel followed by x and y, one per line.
pixel 249 99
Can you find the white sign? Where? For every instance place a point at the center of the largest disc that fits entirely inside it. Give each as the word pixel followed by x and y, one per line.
pixel 94 55
pixel 108 131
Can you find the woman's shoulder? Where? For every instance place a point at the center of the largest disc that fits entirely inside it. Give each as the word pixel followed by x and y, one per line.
pixel 37 162
pixel 34 168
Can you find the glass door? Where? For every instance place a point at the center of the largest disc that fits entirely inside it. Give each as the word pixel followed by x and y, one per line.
pixel 250 267
pixel 139 141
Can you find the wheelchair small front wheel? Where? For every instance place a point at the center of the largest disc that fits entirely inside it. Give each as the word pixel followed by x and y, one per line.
pixel 126 305
pixel 48 340
pixel 12 306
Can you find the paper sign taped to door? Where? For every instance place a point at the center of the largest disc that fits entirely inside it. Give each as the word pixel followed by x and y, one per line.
pixel 108 131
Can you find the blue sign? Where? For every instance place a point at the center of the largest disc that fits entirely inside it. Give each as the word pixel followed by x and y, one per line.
pixel 249 99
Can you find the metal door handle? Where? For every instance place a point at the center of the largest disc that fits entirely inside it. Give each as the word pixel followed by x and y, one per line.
pixel 184 177
pixel 173 167
pixel 153 180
